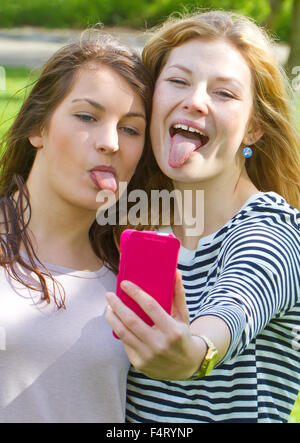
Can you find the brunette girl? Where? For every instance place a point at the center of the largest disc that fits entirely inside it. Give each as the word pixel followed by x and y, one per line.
pixel 81 129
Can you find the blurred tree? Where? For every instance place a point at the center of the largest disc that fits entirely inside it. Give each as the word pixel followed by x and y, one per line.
pixel 272 20
pixel 294 58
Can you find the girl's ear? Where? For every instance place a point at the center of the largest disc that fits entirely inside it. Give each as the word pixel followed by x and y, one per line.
pixel 253 135
pixel 36 141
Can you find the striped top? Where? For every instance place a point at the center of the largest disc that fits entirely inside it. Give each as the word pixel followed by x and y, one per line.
pixel 247 273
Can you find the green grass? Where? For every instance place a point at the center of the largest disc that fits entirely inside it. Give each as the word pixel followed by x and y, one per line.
pixel 11 100
pixel 295 415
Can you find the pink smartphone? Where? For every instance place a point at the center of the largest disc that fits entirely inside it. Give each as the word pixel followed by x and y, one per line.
pixel 148 259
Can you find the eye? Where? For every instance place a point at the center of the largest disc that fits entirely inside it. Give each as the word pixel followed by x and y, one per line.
pixel 225 94
pixel 129 131
pixel 178 81
pixel 85 117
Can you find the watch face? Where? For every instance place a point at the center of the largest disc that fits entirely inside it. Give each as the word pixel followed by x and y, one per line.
pixel 212 361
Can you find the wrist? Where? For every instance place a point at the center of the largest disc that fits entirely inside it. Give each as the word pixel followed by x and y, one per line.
pixel 198 351
pixel 209 360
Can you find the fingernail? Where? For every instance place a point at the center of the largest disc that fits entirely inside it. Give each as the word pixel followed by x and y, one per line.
pixel 125 284
pixel 108 296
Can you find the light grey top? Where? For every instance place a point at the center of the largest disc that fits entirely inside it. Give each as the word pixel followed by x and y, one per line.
pixel 60 365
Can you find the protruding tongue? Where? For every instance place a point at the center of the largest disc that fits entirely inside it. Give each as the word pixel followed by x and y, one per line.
pixel 181 149
pixel 106 180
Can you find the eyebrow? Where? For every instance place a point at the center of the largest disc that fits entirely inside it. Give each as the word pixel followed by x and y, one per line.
pixel 220 78
pixel 183 68
pixel 230 79
pixel 102 108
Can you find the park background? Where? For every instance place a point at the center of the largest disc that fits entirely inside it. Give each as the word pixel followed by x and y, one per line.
pixel 31 30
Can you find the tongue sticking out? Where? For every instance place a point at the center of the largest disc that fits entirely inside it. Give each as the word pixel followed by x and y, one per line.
pixel 181 149
pixel 106 180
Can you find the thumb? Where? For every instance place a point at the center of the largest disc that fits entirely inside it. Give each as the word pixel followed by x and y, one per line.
pixel 179 308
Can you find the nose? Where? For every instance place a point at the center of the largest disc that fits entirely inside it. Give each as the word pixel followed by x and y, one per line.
pixel 197 101
pixel 107 139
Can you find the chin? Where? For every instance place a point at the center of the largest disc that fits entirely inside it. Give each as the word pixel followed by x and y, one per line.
pixel 85 201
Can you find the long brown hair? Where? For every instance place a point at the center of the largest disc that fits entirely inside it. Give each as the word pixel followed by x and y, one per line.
pixel 18 155
pixel 275 165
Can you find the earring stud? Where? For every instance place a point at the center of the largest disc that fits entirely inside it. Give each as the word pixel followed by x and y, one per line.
pixel 247 152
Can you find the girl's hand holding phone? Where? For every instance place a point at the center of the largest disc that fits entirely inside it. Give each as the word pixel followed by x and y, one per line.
pixel 167 350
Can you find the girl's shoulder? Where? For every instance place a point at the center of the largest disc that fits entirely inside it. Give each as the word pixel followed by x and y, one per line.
pixel 270 199
pixel 265 234
pixel 269 206
pixel 264 215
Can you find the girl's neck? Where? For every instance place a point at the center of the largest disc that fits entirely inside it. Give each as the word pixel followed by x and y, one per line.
pixel 212 205
pixel 59 232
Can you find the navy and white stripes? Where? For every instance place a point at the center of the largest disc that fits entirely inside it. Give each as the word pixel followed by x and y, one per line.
pixel 248 274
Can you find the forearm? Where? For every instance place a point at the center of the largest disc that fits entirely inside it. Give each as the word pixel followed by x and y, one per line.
pixel 216 330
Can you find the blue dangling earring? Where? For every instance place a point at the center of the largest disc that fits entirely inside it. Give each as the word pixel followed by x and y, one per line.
pixel 247 152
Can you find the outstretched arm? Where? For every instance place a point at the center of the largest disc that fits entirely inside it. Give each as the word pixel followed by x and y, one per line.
pixel 171 349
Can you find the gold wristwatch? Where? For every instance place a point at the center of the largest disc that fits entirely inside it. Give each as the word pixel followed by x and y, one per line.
pixel 209 361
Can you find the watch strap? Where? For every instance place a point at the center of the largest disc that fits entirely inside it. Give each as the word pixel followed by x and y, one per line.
pixel 209 360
